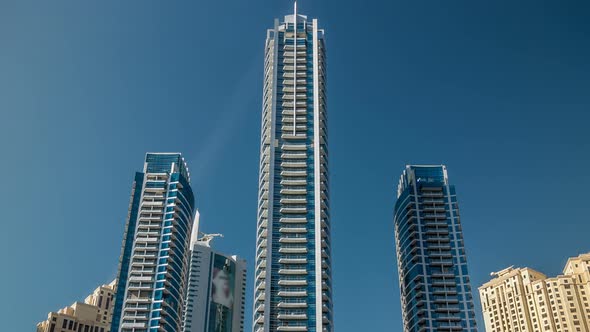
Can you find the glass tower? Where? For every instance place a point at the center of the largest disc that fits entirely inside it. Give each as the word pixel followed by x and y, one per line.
pixel 432 266
pixel 292 290
pixel 154 263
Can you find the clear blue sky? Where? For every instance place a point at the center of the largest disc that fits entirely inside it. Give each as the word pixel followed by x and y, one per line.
pixel 498 90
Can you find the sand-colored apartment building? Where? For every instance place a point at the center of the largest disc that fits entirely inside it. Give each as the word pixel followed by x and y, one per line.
pixel 92 315
pixel 525 300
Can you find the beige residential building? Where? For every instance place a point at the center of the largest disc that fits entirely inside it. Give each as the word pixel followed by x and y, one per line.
pixel 525 300
pixel 92 315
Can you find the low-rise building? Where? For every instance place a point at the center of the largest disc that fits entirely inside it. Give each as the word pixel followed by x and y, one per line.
pixel 525 300
pixel 92 315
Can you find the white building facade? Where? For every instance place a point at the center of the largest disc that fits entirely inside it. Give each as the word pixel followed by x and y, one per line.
pixel 216 291
pixel 293 285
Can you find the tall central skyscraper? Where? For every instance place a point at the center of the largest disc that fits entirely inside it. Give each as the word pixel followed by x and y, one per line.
pixel 292 289
pixel 432 266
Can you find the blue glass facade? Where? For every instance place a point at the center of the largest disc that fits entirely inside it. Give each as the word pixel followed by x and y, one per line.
pixel 432 265
pixel 154 262
pixel 126 250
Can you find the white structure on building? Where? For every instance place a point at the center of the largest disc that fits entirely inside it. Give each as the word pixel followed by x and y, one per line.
pixel 216 289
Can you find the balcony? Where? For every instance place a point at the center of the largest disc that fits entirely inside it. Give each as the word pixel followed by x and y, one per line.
pixel 438 247
pixel 261 275
pixel 290 89
pixel 430 194
pixel 261 245
pixel 299 155
pixel 444 283
pixel 291 67
pixel 293 261
pixel 293 95
pixel 298 230
pixel 288 120
pixel 262 254
pixel 145 287
pixel 293 240
pixel 293 191
pixel 292 293
pixel 448 309
pixel 291 210
pixel 299 74
pixel 293 220
pixel 434 216
pixel 260 296
pixel 135 278
pixel 293 271
pixel 439 226
pixel 440 255
pixel 138 300
pixel 301 282
pixel 134 325
pixel 294 147
pixel 433 209
pixel 291 47
pixel 261 265
pixel 294 200
pixel 289 82
pixel 137 307
pixel 298 112
pixel 293 250
pixel 294 136
pixel 289 305
pixel 433 201
pixel 288 328
pixel 449 318
pixel 444 292
pixel 293 173
pixel 147 239
pixel 449 275
pixel 445 300
pixel 289 128
pixel 443 231
pixel 289 60
pixel 441 262
pixel 438 239
pixel 292 316
pixel 289 104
